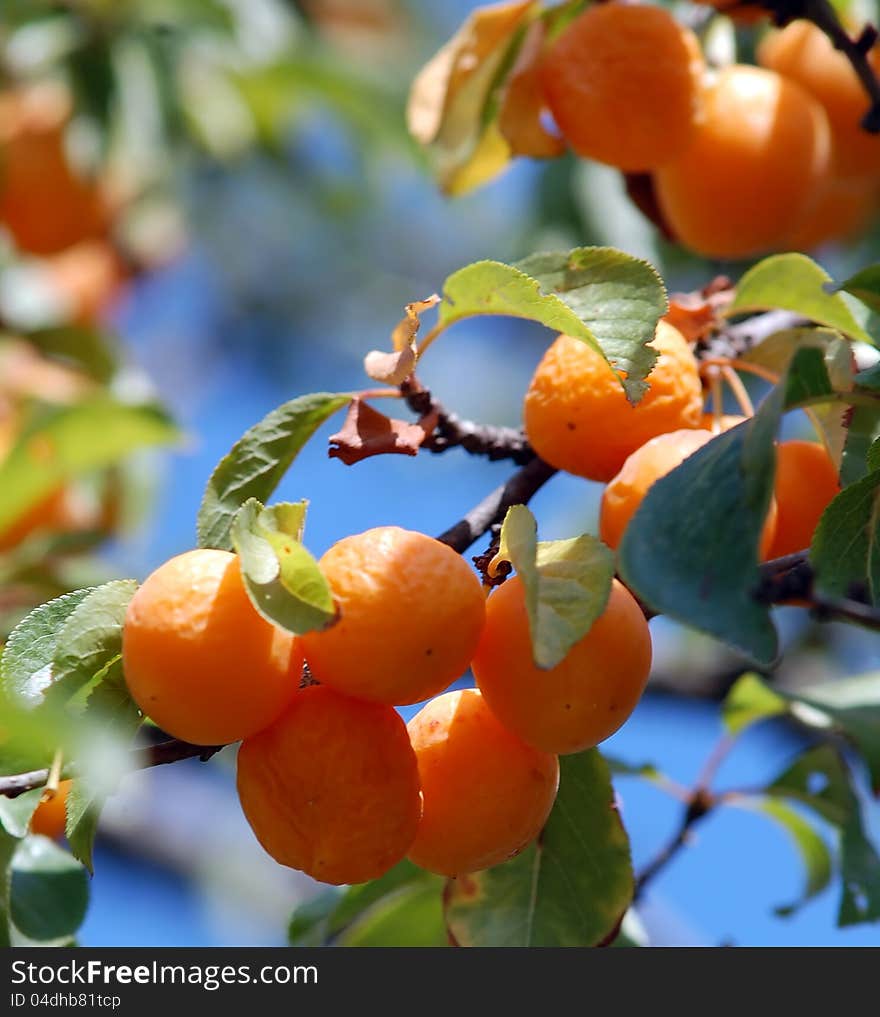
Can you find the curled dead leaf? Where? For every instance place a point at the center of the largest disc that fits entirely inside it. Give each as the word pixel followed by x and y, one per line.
pixel 390 368
pixel 697 315
pixel 367 432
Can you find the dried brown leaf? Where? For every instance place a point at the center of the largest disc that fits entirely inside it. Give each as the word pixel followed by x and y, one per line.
pixel 367 432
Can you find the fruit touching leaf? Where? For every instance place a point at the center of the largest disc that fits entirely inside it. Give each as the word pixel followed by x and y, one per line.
pixel 793 282
pixel 449 98
pixel 94 433
pixel 328 916
pixel 282 579
pixel 571 888
pixel 521 103
pixel 49 891
pixel 845 551
pixel 701 567
pixel 91 637
pixel 15 813
pixel 255 464
pixel 26 666
pixel 606 298
pixel 865 286
pixel 810 846
pixel 748 702
pixel 566 583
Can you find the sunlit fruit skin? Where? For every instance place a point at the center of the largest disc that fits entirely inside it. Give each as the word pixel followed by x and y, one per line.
pixel 198 658
pixel 410 616
pixel 50 816
pixel 332 787
pixel 844 210
pixel 578 418
pixel 623 85
pixel 485 794
pixel 806 481
pixel 44 203
pixel 803 53
pixel 585 698
pixel 754 166
pixel 625 492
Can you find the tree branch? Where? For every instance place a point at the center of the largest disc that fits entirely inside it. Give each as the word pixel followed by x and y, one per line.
pixel 171 751
pixel 700 804
pixel 518 490
pixel 451 431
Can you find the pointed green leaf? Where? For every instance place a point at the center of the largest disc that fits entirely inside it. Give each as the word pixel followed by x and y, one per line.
pixel 812 849
pixel 49 891
pixel 72 440
pixel 691 549
pixel 865 286
pixel 91 637
pixel 255 464
pixel 845 550
pixel 282 579
pixel 26 666
pixel 15 813
pixel 794 282
pixel 606 298
pixel 821 780
pixel 327 916
pixel 749 701
pixel 571 888
pixel 566 584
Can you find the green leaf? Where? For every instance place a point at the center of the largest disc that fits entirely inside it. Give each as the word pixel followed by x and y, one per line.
pixel 606 298
pixel 807 379
pixel 794 282
pixel 256 463
pixel 810 846
pixel 821 780
pixel 865 286
pixel 72 440
pixel 91 637
pixel 86 347
pixel 282 579
pixel 853 704
pixel 111 715
pixel 571 888
pixel 49 891
pixel 777 353
pixel 26 665
pixel 749 701
pixel 845 550
pixel 410 916
pixel 325 917
pixel 863 429
pixel 16 813
pixel 566 584
pixel 691 549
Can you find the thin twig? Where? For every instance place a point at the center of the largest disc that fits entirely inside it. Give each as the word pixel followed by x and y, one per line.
pixel 171 751
pixel 700 805
pixel 518 490
pixel 451 431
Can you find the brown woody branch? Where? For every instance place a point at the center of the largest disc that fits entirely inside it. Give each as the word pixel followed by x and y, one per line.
pixel 170 751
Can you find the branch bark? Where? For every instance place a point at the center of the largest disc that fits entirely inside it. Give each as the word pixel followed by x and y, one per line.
pixel 170 751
